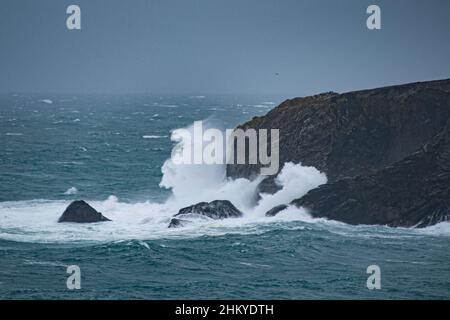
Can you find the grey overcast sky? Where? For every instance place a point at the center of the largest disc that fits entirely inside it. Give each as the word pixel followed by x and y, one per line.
pixel 294 47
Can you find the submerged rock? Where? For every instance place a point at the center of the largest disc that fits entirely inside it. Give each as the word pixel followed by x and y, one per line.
pixel 176 223
pixel 217 210
pixel 275 210
pixel 81 212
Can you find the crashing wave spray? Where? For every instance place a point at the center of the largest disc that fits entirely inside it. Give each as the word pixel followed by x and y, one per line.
pixel 192 183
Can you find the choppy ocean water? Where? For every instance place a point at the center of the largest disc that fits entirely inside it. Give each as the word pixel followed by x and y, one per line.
pixel 110 150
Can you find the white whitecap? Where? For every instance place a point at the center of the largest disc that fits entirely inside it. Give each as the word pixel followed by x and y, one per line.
pixel 14 134
pixel 154 137
pixel 71 191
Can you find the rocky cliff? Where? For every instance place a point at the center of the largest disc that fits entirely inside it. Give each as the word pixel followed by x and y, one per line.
pixel 350 134
pixel 386 153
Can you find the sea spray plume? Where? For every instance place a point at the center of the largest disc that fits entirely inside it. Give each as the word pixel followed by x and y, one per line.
pixel 192 183
pixel 250 147
pixel 214 146
pixel 196 183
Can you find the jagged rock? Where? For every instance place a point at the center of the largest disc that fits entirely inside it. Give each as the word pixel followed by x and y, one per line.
pixel 176 223
pixel 81 212
pixel 275 210
pixel 346 135
pixel 413 192
pixel 217 209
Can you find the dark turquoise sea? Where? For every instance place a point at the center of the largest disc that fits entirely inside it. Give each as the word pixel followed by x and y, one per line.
pixel 113 151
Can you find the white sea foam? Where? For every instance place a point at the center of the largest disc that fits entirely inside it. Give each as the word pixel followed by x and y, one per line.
pixel 442 228
pixel 36 221
pixel 71 191
pixel 47 101
pixel 14 134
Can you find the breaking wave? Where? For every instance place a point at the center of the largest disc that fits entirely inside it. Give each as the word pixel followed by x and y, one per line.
pixel 71 191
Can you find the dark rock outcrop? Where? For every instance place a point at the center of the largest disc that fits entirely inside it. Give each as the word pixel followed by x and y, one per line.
pixel 413 192
pixel 217 209
pixel 176 223
pixel 346 135
pixel 275 210
pixel 386 153
pixel 81 212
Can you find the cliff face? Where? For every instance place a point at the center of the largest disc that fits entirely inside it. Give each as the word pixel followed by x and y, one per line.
pixel 352 134
pixel 414 191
